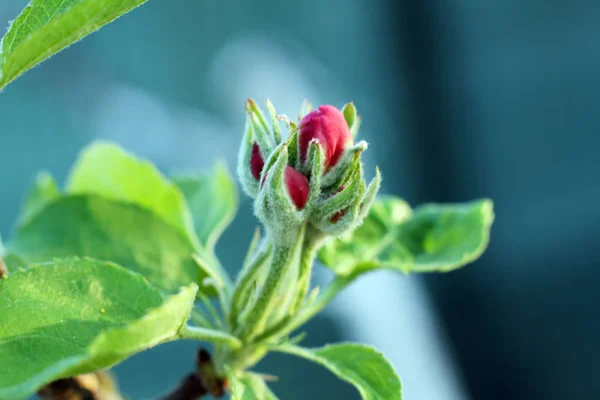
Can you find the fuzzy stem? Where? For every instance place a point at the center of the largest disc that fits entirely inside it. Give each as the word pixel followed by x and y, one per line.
pixel 284 257
pixel 312 243
pixel 305 314
pixel 243 287
pixel 211 335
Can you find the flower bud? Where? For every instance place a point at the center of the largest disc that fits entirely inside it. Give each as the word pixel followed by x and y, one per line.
pixel 297 186
pixel 256 162
pixel 258 143
pixel 327 125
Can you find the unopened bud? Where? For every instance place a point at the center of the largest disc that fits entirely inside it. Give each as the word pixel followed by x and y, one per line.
pixel 256 162
pixel 297 186
pixel 328 126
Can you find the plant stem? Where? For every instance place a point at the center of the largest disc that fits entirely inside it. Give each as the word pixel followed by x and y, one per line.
pixel 312 243
pixel 243 287
pixel 308 312
pixel 283 259
pixel 211 335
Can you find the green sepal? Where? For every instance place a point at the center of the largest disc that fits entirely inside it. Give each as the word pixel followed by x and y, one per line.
pixel 347 201
pixel 274 122
pixel 349 111
pixel 315 157
pixel 249 184
pixel 369 197
pixel 335 176
pixel 262 134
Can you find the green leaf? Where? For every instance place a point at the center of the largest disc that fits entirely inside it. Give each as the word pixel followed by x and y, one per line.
pixel 250 386
pixel 45 27
pixel 43 191
pixel 435 237
pixel 349 111
pixel 75 316
pixel 107 170
pixel 123 233
pixel 364 367
pixel 212 199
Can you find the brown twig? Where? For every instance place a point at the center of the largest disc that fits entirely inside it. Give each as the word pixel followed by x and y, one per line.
pixel 203 381
pixel 3 269
pixel 65 389
pixel 189 388
pixel 98 385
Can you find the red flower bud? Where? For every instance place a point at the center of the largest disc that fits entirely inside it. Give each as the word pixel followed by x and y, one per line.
pixel 256 162
pixel 328 126
pixel 297 186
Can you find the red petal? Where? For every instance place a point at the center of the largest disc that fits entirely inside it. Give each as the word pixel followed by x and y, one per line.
pixel 297 186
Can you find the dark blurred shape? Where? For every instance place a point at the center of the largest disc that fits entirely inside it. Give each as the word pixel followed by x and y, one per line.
pixel 503 103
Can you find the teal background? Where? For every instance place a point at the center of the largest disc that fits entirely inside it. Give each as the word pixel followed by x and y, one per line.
pixel 459 100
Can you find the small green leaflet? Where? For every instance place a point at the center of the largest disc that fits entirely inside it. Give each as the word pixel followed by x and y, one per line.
pixel 107 170
pixel 45 27
pixel 123 233
pixel 250 386
pixel 212 199
pixel 434 237
pixel 43 191
pixel 364 367
pixel 75 316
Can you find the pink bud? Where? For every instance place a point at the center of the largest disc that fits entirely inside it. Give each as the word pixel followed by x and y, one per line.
pixel 256 162
pixel 297 186
pixel 328 126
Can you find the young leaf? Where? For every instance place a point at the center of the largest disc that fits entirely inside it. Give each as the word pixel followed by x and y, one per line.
pixel 123 233
pixel 43 191
pixel 433 238
pixel 364 367
pixel 45 27
pixel 250 386
pixel 107 170
pixel 74 316
pixel 212 199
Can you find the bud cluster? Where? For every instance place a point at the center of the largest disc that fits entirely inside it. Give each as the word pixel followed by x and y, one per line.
pixel 306 187
pixel 314 176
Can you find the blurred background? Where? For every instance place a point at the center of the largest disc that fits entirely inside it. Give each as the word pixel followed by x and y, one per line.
pixel 459 100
